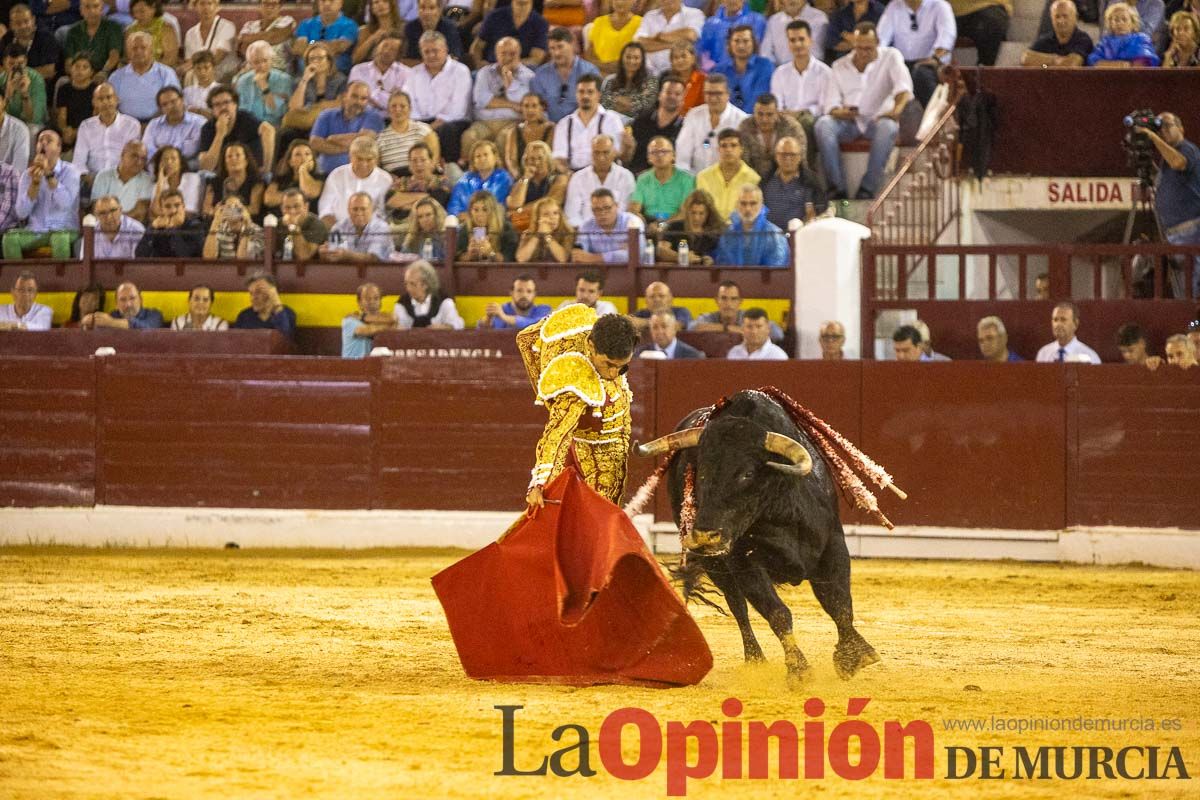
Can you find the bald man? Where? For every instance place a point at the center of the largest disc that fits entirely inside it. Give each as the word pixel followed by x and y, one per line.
pixel 659 298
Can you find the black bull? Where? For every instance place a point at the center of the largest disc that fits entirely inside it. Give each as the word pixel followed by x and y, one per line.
pixel 766 513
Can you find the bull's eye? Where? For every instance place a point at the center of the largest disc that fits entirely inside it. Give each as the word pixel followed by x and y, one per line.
pixel 746 477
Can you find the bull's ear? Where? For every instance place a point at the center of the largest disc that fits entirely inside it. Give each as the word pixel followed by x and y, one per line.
pixel 679 440
pixel 790 449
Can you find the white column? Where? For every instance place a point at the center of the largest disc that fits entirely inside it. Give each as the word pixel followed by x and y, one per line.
pixel 828 282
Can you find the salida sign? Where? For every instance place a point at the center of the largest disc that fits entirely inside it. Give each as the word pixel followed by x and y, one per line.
pixel 1085 192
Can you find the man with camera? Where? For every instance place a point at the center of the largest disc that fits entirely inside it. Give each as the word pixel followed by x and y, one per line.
pixel 1177 193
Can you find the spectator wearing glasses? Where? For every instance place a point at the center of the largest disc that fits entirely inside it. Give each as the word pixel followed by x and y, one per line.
pixel 832 336
pixel 117 234
pixel 714 36
pixel 232 124
pixel 749 75
pixel 924 32
pixel 696 147
pixel 604 236
pixel 498 95
pixel 329 25
pixel 659 192
pixel 792 185
pixel 555 81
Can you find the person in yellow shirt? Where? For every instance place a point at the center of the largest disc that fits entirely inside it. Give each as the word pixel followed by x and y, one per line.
pixel 609 34
pixel 724 179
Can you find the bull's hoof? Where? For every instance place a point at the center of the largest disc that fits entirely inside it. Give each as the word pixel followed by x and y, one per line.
pixel 848 660
pixel 799 675
pixel 755 655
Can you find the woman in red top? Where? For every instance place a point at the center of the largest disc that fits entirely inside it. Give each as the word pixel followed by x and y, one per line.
pixel 683 66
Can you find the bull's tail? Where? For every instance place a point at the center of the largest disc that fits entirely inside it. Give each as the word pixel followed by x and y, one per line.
pixel 694 583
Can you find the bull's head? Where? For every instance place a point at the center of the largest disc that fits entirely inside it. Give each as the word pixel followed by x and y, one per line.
pixel 731 486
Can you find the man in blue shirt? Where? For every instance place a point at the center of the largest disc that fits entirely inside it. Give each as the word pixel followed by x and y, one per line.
pixel 714 36
pixel 331 27
pixel 1177 194
pixel 175 126
pixel 138 82
pixel 749 75
pixel 604 237
pixel 555 82
pixel 358 330
pixel 751 240
pixel 129 315
pixel 266 309
pixel 336 128
pixel 521 311
pixel 48 199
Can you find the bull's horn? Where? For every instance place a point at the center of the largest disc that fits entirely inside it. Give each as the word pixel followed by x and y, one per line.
pixel 679 440
pixel 790 449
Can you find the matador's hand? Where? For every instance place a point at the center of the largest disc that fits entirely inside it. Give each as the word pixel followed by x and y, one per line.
pixel 534 501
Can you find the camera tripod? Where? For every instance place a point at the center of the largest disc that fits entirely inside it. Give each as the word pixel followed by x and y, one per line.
pixel 1142 216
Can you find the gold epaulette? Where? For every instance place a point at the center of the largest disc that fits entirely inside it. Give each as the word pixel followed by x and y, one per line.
pixel 574 319
pixel 571 373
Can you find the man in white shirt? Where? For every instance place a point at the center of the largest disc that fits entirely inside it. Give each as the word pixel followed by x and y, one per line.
pixel 775 43
pixel 440 88
pixel 101 138
pixel 362 174
pixel 23 314
pixel 696 147
pixel 384 73
pixel 924 31
pixel 589 290
pixel 1065 347
pixel 661 28
pixel 14 141
pixel 117 234
pixel 799 85
pixel 573 134
pixel 864 97
pixel 423 305
pixel 602 173
pixel 497 95
pixel 756 342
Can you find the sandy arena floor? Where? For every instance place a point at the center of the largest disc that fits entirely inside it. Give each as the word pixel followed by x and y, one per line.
pixel 248 674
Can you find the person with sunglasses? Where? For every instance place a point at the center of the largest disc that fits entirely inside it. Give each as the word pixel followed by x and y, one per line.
pixel 577 362
pixel 924 32
pixel 555 80
pixel 696 147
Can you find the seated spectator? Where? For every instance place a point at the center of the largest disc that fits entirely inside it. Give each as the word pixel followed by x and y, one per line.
pixel 663 27
pixel 429 18
pixel 95 37
pixel 128 315
pixel 485 234
pixel 25 98
pixel 756 344
pixel 1180 351
pixel 72 101
pixel 497 95
pixel 48 199
pixel 486 175
pixel 422 182
pixel 1151 14
pixel 659 193
pixel 1041 287
pixel 272 27
pixel 266 309
pixel 714 37
pixel 927 351
pixel 888 88
pixel 538 179
pixel 1066 46
pixel 748 74
pixel 993 341
pixel 1131 342
pixel 362 174
pixel 237 176
pixel 604 236
pixel 87 300
pixel 1184 47
pixel 589 290
pixel 630 91
pixel 317 90
pixel 336 128
pixel 360 238
pixel 602 173
pixel 729 315
pixel 792 186
pixel 518 20
pixel 233 124
pixel 685 69
pixel 200 83
pixel 663 340
pixel 173 233
pixel 128 182
pixel 799 86
pixel 522 309
pixel 175 126
pixel 659 298
pixel 984 22
pixel 39 42
pixel 548 237
pixel 117 234
pixel 300 227
pixel 10 182
pixel 440 88
pixel 839 36
pixel 296 170
pixel 925 38
pixel 751 239
pixel 383 74
pixel 609 34
pixel 215 34
pixel 1065 347
pixel 233 234
pixel 148 17
pixel 384 21
pixel 573 135
pixel 423 305
pixel 401 134
pixel 832 337
pixel 24 313
pixel 556 82
pixel 533 127
pixel 724 180
pixel 167 169
pixel 664 120
pixel 775 44
pixel 1123 44
pixel 906 344
pixel 137 83
pixel 700 225
pixel 426 235
pixel 14 141
pixel 358 330
pixel 102 138
pixel 199 316
pixel 696 147
pixel 264 90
